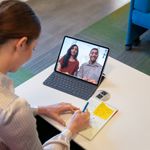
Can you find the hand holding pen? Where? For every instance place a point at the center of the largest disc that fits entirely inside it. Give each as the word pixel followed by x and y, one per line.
pixel 79 120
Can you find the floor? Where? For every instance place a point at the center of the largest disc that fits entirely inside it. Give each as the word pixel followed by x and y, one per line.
pixel 65 17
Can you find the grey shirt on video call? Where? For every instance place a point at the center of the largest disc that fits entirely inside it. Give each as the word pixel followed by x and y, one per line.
pixel 91 71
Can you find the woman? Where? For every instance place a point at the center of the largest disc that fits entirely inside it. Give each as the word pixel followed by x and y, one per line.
pixel 19 32
pixel 68 63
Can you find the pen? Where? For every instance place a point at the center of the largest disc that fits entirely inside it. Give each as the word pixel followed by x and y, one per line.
pixel 85 107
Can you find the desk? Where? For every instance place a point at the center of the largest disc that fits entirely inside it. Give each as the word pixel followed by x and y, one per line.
pixel 129 129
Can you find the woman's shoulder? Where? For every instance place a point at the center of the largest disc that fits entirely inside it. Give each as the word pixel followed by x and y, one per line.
pixel 17 109
pixel 10 104
pixel 8 97
pixel 61 59
pixel 77 61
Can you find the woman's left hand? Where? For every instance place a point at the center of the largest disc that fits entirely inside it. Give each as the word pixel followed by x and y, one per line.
pixel 54 111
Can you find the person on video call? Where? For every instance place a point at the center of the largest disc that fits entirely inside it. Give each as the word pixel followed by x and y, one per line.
pixel 90 71
pixel 19 31
pixel 68 63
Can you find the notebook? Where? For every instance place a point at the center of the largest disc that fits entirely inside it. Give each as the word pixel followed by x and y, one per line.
pixel 100 114
pixel 79 67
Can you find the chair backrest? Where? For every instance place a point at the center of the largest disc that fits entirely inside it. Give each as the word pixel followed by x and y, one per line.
pixel 142 5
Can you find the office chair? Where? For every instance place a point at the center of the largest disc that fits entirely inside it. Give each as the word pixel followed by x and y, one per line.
pixel 138 22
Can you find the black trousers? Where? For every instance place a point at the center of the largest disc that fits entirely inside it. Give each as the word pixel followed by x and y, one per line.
pixel 47 131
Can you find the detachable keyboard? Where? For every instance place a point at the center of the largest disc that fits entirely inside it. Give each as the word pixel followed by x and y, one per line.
pixel 70 85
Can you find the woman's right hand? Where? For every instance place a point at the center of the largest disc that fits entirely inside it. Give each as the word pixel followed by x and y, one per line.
pixel 79 121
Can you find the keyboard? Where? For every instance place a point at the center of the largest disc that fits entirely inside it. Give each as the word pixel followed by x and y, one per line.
pixel 70 85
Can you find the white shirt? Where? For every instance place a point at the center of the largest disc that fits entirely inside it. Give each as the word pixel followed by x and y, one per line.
pixel 18 125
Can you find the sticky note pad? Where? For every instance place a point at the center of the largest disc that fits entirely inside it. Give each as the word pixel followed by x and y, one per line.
pixel 103 111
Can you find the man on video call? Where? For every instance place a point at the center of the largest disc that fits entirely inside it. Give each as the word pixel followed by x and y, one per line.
pixel 91 70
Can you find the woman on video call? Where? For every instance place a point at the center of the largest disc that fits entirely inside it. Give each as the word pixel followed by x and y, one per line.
pixel 19 32
pixel 68 63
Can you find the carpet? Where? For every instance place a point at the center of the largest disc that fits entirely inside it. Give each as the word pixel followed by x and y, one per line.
pixel 109 31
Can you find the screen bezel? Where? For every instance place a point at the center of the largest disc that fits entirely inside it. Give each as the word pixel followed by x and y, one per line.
pixel 88 43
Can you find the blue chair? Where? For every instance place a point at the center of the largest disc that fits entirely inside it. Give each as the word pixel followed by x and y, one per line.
pixel 139 21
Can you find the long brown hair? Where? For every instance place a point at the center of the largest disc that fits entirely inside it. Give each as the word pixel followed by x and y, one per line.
pixel 17 19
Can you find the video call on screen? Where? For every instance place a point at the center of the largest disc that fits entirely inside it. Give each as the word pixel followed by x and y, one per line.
pixel 81 60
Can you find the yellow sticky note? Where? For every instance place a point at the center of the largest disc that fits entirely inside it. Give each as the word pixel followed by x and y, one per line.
pixel 103 111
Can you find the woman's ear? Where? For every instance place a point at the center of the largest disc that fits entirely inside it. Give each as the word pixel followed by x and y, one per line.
pixel 21 43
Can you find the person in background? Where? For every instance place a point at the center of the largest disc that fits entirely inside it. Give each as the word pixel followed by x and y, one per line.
pixel 68 63
pixel 91 70
pixel 19 32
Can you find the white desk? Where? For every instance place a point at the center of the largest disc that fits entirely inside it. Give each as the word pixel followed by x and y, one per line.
pixel 129 129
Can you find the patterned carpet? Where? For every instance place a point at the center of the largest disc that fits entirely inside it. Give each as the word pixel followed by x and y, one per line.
pixel 110 32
